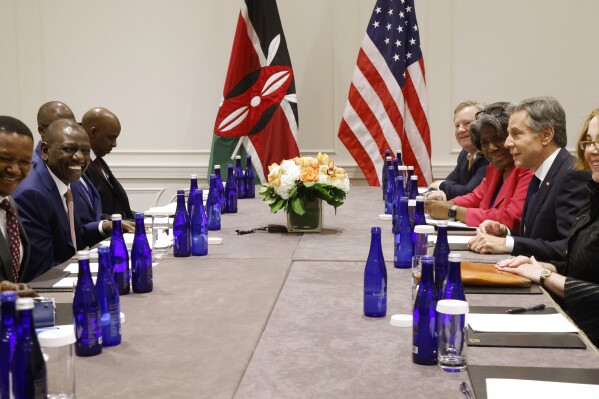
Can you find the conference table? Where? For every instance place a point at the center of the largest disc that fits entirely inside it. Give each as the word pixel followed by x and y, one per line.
pixel 279 315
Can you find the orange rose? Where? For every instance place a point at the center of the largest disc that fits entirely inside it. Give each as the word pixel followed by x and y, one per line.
pixel 308 174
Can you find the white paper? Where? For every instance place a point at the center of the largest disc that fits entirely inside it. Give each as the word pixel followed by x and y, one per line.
pixel 74 267
pixel 555 322
pixel 456 242
pixel 167 210
pixel 460 225
pixel 500 388
pixel 69 282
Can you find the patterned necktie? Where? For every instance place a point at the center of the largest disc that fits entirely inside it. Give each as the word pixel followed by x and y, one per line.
pixel 14 239
pixel 470 161
pixel 68 196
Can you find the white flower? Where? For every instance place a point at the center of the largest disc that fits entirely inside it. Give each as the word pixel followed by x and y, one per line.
pixel 289 174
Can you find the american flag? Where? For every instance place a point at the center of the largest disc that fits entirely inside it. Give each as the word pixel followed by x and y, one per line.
pixel 387 105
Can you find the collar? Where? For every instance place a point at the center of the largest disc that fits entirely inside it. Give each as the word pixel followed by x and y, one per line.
pixel 62 188
pixel 92 155
pixel 542 170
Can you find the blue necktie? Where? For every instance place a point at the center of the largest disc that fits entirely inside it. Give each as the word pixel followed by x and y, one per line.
pixel 531 196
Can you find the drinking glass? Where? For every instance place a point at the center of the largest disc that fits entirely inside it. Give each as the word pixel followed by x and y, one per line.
pixel 161 238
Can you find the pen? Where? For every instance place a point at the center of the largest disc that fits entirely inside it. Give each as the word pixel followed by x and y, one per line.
pixel 522 310
pixel 465 388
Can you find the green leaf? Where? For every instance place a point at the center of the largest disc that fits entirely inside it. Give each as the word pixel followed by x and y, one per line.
pixel 274 208
pixel 298 206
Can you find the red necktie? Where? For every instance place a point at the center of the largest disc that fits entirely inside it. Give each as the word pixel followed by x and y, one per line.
pixel 71 213
pixel 14 239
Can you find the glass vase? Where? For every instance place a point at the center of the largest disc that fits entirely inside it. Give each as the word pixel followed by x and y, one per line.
pixel 310 221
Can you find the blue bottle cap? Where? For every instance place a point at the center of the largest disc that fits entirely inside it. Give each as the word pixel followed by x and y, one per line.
pixel 8 296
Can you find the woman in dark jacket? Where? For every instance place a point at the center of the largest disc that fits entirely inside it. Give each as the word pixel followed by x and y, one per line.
pixel 575 281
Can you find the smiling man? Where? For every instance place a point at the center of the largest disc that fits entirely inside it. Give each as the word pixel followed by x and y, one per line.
pixel 43 198
pixel 16 147
pixel 104 128
pixel 537 140
pixel 471 166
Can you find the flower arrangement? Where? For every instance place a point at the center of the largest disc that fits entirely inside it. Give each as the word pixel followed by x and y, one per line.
pixel 296 180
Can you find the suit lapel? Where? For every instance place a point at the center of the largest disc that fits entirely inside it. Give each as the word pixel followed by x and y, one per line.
pixel 56 201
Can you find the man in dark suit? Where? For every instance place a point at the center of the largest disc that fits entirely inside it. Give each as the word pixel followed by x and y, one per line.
pixel 471 167
pixel 103 128
pixel 48 113
pixel 43 197
pixel 537 140
pixel 16 147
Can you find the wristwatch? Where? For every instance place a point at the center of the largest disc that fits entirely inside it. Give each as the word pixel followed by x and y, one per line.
pixel 544 274
pixel 451 214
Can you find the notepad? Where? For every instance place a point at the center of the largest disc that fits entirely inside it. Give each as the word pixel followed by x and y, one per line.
pixel 523 323
pixel 502 388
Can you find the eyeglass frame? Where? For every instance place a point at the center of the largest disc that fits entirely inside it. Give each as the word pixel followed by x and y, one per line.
pixel 491 111
pixel 586 144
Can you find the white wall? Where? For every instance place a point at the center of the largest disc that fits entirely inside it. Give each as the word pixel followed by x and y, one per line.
pixel 160 66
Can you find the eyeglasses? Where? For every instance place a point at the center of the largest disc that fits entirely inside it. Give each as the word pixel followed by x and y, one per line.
pixel 586 145
pixel 495 112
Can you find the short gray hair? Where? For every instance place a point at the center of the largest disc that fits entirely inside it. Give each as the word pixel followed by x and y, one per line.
pixel 545 112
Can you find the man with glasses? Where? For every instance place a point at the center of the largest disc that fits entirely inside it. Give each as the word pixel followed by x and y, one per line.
pixel 471 166
pixel 45 198
pixel 537 140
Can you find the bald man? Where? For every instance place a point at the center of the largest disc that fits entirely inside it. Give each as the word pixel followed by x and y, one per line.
pixel 48 113
pixel 104 128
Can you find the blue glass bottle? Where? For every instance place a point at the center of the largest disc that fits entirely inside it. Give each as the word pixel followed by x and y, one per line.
pixel 239 178
pixel 8 339
pixel 395 166
pixel 142 280
pixel 220 187
pixel 231 191
pixel 399 192
pixel 390 191
pixel 28 368
pixel 419 216
pixel 213 205
pixel 404 249
pixel 181 228
pixel 410 173
pixel 424 344
pixel 250 178
pixel 384 172
pixel 375 278
pixel 86 311
pixel 413 187
pixel 199 227
pixel 108 300
pixel 119 257
pixel 399 160
pixel 192 193
pixel 453 287
pixel 441 255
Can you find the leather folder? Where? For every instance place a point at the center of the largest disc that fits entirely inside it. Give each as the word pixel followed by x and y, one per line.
pixel 479 374
pixel 485 274
pixel 522 340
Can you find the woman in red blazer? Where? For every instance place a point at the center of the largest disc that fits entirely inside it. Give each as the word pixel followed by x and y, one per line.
pixel 501 194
